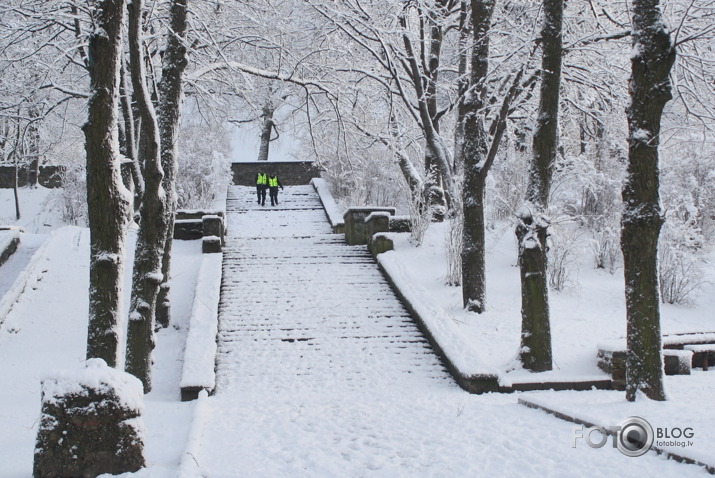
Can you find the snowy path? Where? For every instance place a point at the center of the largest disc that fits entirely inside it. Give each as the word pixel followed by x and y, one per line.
pixel 320 373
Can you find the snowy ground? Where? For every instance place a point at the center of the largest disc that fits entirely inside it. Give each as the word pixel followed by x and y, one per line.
pixel 585 314
pixel 436 431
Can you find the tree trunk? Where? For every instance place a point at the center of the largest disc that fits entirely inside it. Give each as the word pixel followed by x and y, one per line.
pixel 535 349
pixel 107 200
pixel 15 192
pixel 649 89
pixel 146 276
pixel 129 148
pixel 435 176
pixel 266 132
pixel 463 83
pixel 473 237
pixel 33 147
pixel 476 166
pixel 532 230
pixel 439 182
pixel 170 96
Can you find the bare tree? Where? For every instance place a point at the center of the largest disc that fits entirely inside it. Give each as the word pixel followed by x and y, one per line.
pixel 475 153
pixel 401 52
pixel 107 200
pixel 170 97
pixel 531 231
pixel 480 146
pixel 651 61
pixel 146 276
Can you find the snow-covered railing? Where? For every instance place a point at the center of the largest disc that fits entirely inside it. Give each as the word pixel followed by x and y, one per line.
pixel 200 351
pixel 335 216
pixel 460 357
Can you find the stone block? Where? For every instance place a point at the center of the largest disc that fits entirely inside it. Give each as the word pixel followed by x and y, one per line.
pixel 210 244
pixel 90 424
pixel 188 229
pixel 400 224
pixel 212 225
pixel 354 218
pixel 182 214
pixel 380 243
pixel 614 363
pixel 375 222
pixel 677 362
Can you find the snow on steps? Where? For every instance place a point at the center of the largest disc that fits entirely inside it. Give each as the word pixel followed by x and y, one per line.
pixel 300 310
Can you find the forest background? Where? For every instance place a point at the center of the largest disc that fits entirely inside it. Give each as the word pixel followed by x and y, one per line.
pixel 379 94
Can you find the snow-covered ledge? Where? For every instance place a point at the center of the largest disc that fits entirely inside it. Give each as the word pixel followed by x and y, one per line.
pixel 26 277
pixel 9 240
pixel 460 357
pixel 335 216
pixel 200 351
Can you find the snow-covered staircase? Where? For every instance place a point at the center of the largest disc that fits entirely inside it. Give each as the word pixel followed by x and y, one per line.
pixel 302 311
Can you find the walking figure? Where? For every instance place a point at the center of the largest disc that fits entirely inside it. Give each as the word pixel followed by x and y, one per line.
pixel 261 185
pixel 273 185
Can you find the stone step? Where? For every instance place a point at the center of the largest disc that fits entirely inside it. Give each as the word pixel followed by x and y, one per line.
pixel 298 304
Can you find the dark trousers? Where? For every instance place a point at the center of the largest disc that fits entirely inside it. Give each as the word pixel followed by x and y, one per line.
pixel 274 195
pixel 261 192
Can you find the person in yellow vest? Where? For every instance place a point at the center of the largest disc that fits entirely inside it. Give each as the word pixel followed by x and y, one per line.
pixel 261 186
pixel 273 185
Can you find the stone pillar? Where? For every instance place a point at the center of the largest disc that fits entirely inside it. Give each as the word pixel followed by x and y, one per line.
pixel 213 226
pixel 377 222
pixel 210 244
pixel 355 229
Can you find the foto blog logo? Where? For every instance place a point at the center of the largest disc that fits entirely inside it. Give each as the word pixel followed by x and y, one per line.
pixel 633 436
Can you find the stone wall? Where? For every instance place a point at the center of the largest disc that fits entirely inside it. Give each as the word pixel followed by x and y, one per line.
pixel 50 176
pixel 290 173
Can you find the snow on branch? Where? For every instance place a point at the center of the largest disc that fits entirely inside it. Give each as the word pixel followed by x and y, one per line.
pixel 251 70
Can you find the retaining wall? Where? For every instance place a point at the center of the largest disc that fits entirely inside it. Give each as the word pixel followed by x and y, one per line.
pixel 290 173
pixel 50 176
